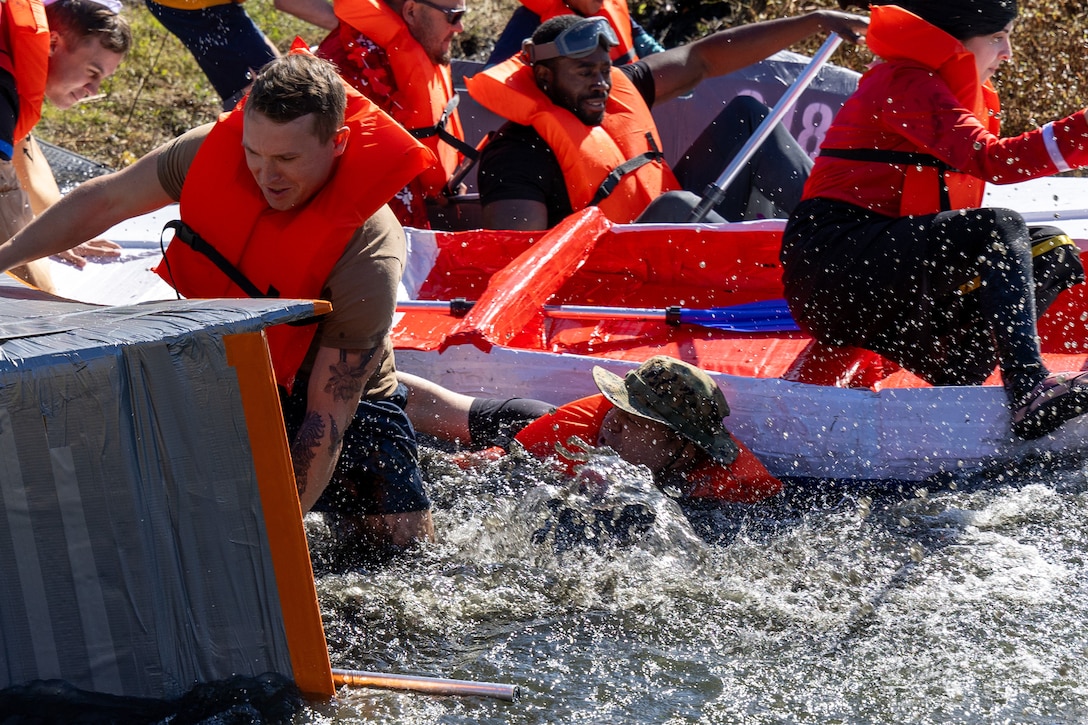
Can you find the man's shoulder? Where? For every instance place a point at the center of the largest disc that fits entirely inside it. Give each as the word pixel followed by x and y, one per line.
pixel 176 156
pixel 642 78
pixel 381 236
pixel 383 228
pixel 514 152
pixel 515 134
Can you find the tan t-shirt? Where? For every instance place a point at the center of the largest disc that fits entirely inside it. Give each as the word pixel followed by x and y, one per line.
pixel 362 286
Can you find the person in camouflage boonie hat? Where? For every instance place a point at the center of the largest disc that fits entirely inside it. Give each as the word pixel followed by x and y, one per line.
pixel 677 395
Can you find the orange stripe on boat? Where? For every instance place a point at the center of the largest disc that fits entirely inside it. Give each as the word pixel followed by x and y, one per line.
pixel 247 353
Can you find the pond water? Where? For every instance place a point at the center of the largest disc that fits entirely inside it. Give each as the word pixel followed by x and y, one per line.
pixel 605 602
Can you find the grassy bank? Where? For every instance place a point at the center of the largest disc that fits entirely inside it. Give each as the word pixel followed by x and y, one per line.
pixel 160 92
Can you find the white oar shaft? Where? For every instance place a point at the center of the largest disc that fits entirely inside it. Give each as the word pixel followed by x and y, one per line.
pixel 562 312
pixel 589 312
pixel 714 194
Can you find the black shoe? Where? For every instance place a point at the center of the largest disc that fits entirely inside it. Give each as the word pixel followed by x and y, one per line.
pixel 1060 397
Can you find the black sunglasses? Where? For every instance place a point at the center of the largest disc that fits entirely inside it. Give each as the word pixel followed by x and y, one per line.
pixel 453 15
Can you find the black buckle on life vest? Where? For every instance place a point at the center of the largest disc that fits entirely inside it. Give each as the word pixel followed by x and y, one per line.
pixel 900 158
pixel 439 129
pixel 616 175
pixel 185 234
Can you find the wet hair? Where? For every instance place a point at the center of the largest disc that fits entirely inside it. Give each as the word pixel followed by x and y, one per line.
pixel 296 85
pixel 80 19
pixel 962 19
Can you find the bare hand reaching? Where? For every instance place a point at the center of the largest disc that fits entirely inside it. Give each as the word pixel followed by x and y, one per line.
pixel 850 28
pixel 78 254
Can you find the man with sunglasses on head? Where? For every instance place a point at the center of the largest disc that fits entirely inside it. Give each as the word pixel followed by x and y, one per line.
pixel 580 130
pixel 397 53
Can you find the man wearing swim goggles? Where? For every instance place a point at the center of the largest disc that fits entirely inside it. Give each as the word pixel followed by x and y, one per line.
pixel 577 41
pixel 584 45
pixel 526 169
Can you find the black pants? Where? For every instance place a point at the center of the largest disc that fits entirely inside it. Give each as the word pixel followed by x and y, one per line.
pixel 898 287
pixel 769 186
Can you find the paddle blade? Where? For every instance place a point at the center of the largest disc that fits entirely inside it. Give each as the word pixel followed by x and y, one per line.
pixel 763 316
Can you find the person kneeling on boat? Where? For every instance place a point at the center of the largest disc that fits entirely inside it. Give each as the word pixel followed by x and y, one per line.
pixel 666 415
pixel 580 132
pixel 286 194
pixel 889 250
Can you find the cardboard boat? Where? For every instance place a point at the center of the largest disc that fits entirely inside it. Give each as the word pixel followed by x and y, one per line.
pixel 150 532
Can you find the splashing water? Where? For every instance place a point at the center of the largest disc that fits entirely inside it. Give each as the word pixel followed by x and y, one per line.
pixel 605 601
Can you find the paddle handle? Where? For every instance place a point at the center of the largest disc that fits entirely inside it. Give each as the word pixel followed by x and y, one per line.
pixel 429 685
pixel 715 191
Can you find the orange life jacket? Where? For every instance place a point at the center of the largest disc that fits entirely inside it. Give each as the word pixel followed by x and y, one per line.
pixel 287 254
pixel 745 480
pixel 903 39
pixel 424 88
pixel 614 11
pixel 26 32
pixel 588 155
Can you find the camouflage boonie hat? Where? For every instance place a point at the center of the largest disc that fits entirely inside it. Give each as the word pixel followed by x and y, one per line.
pixel 678 395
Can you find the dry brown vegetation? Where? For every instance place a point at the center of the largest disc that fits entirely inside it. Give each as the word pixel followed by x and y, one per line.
pixel 159 91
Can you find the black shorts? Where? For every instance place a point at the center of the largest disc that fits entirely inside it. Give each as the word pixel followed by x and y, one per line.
pixel 378 471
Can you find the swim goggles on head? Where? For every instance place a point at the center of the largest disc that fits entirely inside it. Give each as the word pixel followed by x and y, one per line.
pixel 577 41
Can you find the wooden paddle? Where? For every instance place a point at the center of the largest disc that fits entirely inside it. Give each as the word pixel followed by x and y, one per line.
pixel 430 685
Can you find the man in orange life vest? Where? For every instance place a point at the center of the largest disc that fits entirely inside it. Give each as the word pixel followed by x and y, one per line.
pixel 397 54
pixel 62 52
pixel 665 414
pixel 287 190
pixel 581 132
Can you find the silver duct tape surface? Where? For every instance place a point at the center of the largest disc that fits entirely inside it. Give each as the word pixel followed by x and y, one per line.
pixel 133 550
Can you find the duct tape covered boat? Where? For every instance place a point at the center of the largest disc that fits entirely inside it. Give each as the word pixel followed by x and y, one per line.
pixel 150 532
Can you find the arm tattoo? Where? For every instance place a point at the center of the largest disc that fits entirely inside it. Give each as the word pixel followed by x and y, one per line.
pixel 346 382
pixel 302 452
